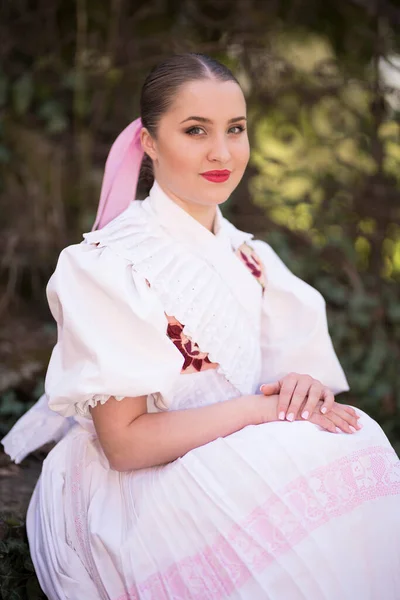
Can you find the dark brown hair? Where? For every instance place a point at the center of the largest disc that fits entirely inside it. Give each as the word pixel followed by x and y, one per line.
pixel 160 88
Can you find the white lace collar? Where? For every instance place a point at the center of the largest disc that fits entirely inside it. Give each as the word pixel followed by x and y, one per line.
pixel 183 227
pixel 216 249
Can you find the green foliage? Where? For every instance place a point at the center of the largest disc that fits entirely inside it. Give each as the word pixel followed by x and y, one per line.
pixel 17 575
pixel 11 409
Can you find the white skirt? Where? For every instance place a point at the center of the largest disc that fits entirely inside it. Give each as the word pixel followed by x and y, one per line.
pixel 281 511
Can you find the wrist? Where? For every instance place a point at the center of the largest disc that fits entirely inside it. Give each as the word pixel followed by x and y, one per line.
pixel 270 408
pixel 260 409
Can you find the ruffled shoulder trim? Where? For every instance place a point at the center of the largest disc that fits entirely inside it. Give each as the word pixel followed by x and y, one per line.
pixel 190 290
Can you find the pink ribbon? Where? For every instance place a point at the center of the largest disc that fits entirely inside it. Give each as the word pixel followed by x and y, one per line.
pixel 121 175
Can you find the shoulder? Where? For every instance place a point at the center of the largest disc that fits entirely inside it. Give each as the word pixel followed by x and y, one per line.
pixel 137 237
pixel 100 255
pixel 130 228
pixel 85 264
pixel 239 238
pixel 89 276
pixel 280 277
pixel 269 257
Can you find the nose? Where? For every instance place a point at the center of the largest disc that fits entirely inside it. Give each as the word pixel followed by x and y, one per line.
pixel 219 150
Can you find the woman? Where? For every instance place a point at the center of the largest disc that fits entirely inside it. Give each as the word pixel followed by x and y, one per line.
pixel 178 478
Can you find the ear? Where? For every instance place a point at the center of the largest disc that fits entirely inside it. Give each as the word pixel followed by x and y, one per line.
pixel 148 143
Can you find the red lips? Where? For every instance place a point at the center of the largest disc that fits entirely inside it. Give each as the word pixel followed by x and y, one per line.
pixel 217 176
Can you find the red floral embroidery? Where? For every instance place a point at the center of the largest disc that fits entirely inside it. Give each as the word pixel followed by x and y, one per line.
pixel 250 259
pixel 195 360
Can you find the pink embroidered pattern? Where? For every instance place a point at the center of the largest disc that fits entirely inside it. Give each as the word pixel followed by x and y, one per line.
pixel 250 259
pixel 80 516
pixel 195 361
pixel 275 527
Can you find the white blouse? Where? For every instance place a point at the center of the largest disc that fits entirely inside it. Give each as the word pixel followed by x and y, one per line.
pixel 113 297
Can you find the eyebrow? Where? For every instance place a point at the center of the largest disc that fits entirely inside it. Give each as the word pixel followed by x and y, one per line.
pixel 204 120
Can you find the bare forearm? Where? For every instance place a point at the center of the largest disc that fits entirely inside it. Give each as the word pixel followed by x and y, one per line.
pixel 158 438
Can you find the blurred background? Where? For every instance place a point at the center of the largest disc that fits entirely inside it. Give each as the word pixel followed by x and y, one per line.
pixel 323 186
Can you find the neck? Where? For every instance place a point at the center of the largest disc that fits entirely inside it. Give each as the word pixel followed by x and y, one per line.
pixel 205 215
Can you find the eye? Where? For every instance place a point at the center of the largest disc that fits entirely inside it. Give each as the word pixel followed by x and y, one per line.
pixel 195 131
pixel 236 129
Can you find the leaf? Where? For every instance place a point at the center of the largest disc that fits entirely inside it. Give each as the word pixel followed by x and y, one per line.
pixel 16 594
pixel 394 312
pixel 23 93
pixel 5 154
pixel 13 521
pixel 33 590
pixel 10 405
pixel 52 112
pixel 39 389
pixel 28 565
pixel 3 548
pixel 3 89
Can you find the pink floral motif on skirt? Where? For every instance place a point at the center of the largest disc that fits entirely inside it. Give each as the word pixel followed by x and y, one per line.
pixel 275 527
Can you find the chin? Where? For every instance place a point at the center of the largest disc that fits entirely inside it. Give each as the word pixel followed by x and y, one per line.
pixel 215 198
pixel 221 193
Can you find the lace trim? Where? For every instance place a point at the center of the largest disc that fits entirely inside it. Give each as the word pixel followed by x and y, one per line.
pixel 79 535
pixel 83 409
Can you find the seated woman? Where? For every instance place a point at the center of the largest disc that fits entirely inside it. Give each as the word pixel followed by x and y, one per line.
pixel 175 478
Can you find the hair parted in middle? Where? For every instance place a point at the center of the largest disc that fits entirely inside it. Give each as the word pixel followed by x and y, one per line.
pixel 160 88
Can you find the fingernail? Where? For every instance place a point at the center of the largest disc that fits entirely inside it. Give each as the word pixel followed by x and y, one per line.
pixel 338 430
pixel 290 417
pixel 323 410
pixel 353 429
pixel 359 426
pixel 261 387
pixel 282 416
pixel 305 414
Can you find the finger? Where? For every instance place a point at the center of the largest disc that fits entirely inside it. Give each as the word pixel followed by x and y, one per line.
pixel 314 396
pixel 288 385
pixel 323 422
pixel 344 414
pixel 351 410
pixel 347 410
pixel 299 395
pixel 269 389
pixel 341 423
pixel 328 400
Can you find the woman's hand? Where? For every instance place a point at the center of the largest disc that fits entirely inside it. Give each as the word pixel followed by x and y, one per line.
pixel 299 393
pixel 340 418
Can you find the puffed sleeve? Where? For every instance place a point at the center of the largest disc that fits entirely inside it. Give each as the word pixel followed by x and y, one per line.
pixel 111 333
pixel 294 329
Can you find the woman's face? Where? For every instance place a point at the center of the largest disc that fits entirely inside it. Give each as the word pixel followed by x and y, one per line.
pixel 203 131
